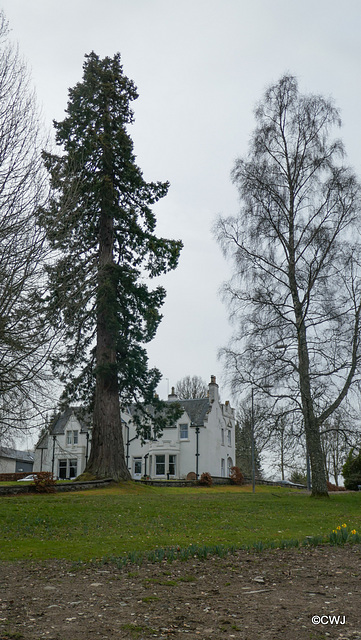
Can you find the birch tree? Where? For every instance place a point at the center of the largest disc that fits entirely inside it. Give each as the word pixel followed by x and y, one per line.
pixel 295 297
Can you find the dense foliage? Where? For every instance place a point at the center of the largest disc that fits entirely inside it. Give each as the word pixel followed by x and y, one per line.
pixel 102 229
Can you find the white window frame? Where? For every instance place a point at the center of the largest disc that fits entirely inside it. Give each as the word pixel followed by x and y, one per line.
pixel 174 463
pixel 159 455
pixel 63 467
pixel 182 427
pixel 223 468
pixel 71 465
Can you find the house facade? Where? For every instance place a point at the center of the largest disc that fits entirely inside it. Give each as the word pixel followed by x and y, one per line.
pixel 64 447
pixel 202 439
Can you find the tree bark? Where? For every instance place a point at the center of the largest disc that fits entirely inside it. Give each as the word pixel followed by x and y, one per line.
pixel 107 452
pixel 312 431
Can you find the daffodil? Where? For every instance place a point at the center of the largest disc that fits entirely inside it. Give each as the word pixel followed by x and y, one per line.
pixel 353 531
pixel 338 528
pixel 344 526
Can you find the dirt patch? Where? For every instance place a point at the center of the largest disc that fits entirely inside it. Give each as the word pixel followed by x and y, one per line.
pixel 271 595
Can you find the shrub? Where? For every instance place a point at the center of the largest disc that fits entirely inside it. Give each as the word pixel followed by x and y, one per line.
pixel 351 471
pixel 44 482
pixel 236 476
pixel 353 482
pixel 334 487
pixel 205 480
pixel 298 477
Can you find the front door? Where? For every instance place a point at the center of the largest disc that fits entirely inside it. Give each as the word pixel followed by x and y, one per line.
pixel 137 468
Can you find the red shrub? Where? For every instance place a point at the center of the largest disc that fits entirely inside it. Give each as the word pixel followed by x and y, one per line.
pixel 205 480
pixel 236 476
pixel 44 482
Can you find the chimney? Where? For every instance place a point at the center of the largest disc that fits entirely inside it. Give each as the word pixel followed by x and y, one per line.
pixel 213 390
pixel 172 397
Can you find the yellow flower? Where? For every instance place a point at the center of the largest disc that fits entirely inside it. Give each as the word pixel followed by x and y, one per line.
pixel 353 531
pixel 333 530
pixel 338 528
pixel 344 526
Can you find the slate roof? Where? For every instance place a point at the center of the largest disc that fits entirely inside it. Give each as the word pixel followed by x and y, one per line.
pixel 15 454
pixel 197 409
pixel 58 426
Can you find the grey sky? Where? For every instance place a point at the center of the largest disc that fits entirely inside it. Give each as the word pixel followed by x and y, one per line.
pixel 200 66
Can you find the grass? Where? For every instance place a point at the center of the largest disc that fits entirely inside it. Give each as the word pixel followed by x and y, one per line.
pixel 134 519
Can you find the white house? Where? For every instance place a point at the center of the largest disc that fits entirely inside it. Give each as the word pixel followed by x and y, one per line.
pixel 203 439
pixel 64 447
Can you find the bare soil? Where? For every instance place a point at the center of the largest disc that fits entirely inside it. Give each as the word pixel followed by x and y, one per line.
pixel 271 595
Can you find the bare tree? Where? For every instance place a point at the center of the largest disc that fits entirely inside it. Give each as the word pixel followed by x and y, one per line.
pixel 284 444
pixel 24 337
pixel 339 433
pixel 191 387
pixel 296 292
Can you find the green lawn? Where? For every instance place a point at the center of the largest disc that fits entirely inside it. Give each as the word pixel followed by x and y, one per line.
pixel 113 521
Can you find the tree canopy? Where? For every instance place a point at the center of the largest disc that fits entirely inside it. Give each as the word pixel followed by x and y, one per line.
pixel 296 292
pixel 25 339
pixel 101 227
pixel 191 387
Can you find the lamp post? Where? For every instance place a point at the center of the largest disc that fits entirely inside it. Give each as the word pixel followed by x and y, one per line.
pixel 197 452
pixel 252 444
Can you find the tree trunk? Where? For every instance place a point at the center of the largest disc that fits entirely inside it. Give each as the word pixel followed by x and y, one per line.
pixel 312 431
pixel 107 458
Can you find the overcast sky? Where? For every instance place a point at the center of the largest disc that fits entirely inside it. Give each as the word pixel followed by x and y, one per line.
pixel 200 66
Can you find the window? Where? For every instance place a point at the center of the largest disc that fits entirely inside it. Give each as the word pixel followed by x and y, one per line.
pixel 172 467
pixel 160 465
pixel 229 466
pixel 72 437
pixel 183 432
pixel 222 436
pixel 62 469
pixel 73 465
pixel 229 437
pixel 223 468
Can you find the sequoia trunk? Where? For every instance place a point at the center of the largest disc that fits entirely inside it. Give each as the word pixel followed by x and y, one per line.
pixel 107 452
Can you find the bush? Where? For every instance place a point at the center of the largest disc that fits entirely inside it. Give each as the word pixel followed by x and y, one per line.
pixel 334 487
pixel 298 477
pixel 44 482
pixel 353 482
pixel 236 476
pixel 205 480
pixel 351 471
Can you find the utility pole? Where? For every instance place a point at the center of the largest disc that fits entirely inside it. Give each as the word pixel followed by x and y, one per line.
pixel 252 444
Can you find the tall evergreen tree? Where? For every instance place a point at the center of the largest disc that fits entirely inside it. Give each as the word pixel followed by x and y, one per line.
pixel 102 229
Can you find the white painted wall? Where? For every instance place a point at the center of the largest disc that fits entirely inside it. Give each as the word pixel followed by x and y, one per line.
pixel 179 453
